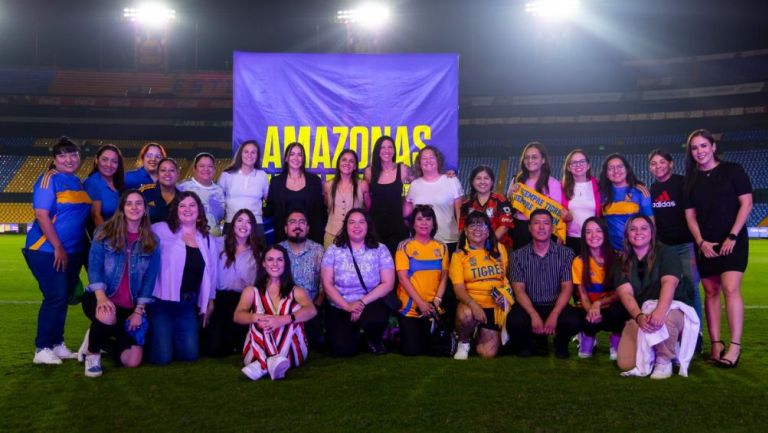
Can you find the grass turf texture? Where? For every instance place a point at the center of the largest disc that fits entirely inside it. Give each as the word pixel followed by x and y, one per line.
pixel 367 393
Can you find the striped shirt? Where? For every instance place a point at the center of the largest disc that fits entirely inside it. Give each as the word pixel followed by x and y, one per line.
pixel 541 275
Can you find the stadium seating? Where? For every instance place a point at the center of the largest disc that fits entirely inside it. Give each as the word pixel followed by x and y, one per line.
pixel 9 165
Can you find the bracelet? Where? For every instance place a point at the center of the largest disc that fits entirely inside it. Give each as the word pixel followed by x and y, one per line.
pixel 638 316
pixel 701 242
pixel 140 311
pixel 293 318
pixel 363 302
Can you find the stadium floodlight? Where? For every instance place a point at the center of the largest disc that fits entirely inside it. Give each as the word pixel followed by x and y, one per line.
pixel 150 14
pixel 553 9
pixel 370 16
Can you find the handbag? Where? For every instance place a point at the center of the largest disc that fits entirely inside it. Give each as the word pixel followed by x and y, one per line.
pixel 390 299
pixel 442 341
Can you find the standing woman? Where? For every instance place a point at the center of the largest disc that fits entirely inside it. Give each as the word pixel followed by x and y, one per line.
pixel 622 196
pixel 236 270
pixel 422 271
pixel 581 197
pixel 591 271
pixel 345 192
pixel 386 179
pixel 159 195
pixel 720 200
pixel 123 264
pixel 186 283
pixel 105 183
pixel 479 274
pixel 211 194
pixel 356 272
pixel 296 189
pixel 147 164
pixel 55 247
pixel 668 200
pixel 275 310
pixel 534 171
pixel 245 185
pixel 483 199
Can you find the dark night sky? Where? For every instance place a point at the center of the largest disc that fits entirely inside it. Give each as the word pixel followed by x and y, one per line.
pixel 493 37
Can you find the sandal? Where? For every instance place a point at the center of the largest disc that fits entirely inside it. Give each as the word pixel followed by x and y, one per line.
pixel 722 352
pixel 727 363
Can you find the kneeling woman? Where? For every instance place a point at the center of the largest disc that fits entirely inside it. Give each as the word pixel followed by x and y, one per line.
pixel 357 272
pixel 656 294
pixel 186 282
pixel 124 260
pixel 276 311
pixel 422 270
pixel 479 275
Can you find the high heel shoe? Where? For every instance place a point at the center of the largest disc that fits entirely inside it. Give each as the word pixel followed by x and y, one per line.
pixel 722 352
pixel 727 363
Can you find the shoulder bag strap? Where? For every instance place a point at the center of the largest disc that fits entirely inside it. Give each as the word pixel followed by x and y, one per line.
pixel 357 269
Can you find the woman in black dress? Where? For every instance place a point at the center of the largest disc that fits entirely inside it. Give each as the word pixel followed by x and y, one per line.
pixel 720 200
pixel 295 189
pixel 386 179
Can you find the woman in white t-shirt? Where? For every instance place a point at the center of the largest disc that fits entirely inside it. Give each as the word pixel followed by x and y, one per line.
pixel 432 187
pixel 245 186
pixel 581 196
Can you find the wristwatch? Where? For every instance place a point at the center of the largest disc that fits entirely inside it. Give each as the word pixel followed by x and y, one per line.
pixel 731 236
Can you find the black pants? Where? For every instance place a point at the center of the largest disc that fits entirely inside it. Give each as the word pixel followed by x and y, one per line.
pixel 313 329
pixel 342 334
pixel 222 336
pixel 614 319
pixel 414 335
pixel 521 332
pixel 101 335
pixel 449 302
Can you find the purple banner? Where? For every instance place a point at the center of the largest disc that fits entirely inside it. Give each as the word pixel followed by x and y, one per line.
pixel 330 102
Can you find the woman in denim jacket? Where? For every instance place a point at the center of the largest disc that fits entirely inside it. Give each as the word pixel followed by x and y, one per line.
pixel 124 261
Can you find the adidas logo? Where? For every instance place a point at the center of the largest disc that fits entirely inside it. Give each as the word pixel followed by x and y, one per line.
pixel 663 200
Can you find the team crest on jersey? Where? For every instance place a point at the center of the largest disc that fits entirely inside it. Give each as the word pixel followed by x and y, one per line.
pixel 472 261
pixel 506 209
pixel 437 252
pixel 489 212
pixel 415 253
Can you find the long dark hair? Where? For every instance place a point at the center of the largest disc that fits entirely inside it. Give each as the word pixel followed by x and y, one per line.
pixel 475 171
pixel 371 240
pixel 376 157
pixel 567 179
pixel 492 245
pixel 337 178
pixel 609 257
pixel 230 240
pixel 605 186
pixel 287 152
pixel 237 160
pixel 286 279
pixel 115 229
pixel 691 167
pixel 173 213
pixel 628 251
pixel 118 179
pixel 522 172
pixel 64 145
pixel 426 211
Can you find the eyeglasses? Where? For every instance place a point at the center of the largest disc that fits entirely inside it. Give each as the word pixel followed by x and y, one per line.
pixel 578 163
pixel 616 168
pixel 478 227
pixel 153 156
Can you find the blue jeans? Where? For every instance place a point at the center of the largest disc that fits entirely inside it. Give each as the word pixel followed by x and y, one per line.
pixel 173 331
pixel 57 287
pixel 687 254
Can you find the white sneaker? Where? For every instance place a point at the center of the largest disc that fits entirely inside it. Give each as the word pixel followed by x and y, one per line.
pixel 93 365
pixel 662 371
pixel 63 352
pixel 614 354
pixel 587 346
pixel 46 356
pixel 462 352
pixel 277 366
pixel 83 346
pixel 253 371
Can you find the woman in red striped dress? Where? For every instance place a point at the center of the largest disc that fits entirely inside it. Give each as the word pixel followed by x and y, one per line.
pixel 276 311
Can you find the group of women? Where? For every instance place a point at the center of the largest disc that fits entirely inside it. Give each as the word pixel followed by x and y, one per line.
pixel 185 264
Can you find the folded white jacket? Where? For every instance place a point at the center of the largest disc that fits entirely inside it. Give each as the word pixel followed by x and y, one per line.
pixel 646 356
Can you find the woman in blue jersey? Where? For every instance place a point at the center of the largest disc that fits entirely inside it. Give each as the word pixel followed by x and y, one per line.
pixel 55 248
pixel 105 183
pixel 148 163
pixel 622 196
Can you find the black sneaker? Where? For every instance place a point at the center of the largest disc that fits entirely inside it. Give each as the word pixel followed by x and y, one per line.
pixel 377 347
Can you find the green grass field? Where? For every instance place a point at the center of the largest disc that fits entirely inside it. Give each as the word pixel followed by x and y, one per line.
pixel 371 394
